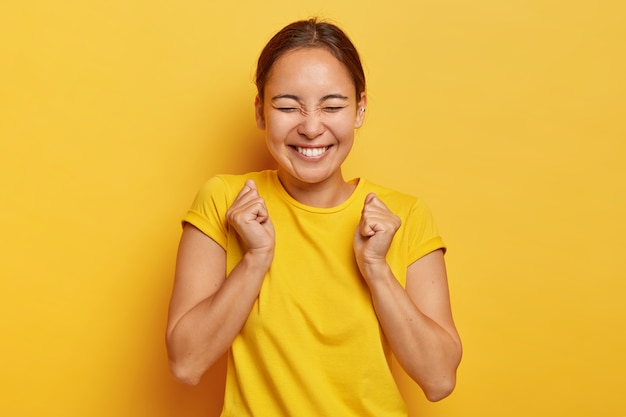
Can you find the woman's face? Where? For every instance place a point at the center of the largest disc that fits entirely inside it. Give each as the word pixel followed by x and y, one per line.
pixel 309 115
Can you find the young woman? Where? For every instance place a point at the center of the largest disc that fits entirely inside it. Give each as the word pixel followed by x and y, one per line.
pixel 309 281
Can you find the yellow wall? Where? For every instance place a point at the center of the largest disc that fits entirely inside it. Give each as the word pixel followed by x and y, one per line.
pixel 506 116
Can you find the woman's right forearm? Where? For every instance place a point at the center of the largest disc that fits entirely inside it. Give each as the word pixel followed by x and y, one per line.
pixel 205 332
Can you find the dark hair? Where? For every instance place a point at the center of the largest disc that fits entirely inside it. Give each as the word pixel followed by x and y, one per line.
pixel 310 33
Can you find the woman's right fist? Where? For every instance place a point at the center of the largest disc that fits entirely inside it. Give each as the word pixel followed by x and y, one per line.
pixel 248 215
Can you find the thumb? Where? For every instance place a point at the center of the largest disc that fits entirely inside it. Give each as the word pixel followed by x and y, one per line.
pixel 251 184
pixel 370 197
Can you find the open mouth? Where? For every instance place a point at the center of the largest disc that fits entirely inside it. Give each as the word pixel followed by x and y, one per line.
pixel 311 152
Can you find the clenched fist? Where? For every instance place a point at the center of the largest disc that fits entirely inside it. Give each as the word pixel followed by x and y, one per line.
pixel 248 215
pixel 374 234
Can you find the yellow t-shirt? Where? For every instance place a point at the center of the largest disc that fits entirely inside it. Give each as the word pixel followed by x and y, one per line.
pixel 312 345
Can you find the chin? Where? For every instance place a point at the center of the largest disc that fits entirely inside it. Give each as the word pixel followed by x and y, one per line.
pixel 311 178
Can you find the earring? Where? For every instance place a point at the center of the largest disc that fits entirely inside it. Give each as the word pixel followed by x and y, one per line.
pixel 362 109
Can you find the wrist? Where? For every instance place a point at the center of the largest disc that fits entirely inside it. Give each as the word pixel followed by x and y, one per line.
pixel 375 270
pixel 259 258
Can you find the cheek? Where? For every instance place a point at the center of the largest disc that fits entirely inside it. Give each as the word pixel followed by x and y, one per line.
pixel 278 125
pixel 343 128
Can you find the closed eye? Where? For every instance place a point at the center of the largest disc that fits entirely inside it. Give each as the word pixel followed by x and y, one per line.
pixel 332 109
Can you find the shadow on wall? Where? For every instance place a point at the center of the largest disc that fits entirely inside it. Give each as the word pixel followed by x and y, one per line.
pixel 204 400
pixel 248 151
pixel 241 149
pixel 150 389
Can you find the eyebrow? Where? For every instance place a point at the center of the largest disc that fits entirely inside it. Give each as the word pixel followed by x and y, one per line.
pixel 323 99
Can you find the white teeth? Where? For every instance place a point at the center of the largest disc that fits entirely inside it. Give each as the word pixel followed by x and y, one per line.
pixel 311 152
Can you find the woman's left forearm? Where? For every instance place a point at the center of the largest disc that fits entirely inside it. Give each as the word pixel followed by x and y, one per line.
pixel 427 351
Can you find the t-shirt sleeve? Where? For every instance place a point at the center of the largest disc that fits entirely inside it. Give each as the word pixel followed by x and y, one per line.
pixel 208 210
pixel 423 235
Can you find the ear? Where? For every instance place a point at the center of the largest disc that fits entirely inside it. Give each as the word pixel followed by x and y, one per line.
pixel 258 113
pixel 360 112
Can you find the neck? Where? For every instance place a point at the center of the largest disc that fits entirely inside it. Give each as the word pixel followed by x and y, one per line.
pixel 326 194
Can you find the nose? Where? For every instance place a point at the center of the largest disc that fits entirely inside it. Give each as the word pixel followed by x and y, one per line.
pixel 311 125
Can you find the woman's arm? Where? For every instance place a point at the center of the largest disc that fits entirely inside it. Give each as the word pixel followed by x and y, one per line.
pixel 207 311
pixel 417 321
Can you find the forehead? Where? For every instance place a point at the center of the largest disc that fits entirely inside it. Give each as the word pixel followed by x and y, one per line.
pixel 309 69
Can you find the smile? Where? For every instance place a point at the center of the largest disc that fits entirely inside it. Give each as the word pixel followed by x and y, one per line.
pixel 311 152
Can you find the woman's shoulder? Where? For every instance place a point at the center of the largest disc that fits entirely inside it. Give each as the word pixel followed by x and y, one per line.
pixel 230 183
pixel 386 192
pixel 236 179
pixel 398 201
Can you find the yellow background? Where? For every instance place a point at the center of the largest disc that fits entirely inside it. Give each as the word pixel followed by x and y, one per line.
pixel 507 117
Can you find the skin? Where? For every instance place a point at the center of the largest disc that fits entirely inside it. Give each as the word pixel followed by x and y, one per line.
pixel 309 116
pixel 310 102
